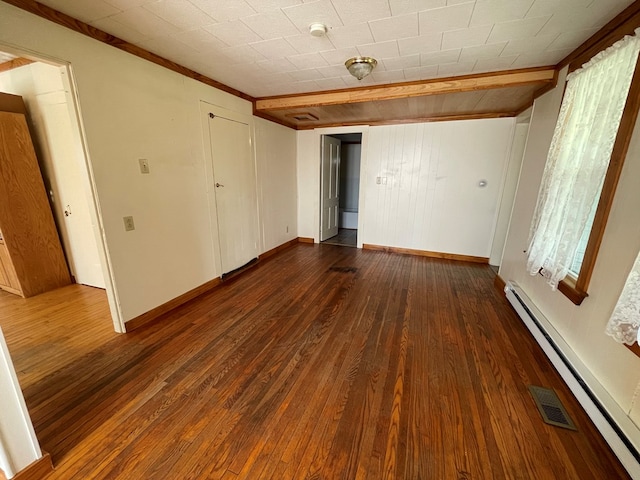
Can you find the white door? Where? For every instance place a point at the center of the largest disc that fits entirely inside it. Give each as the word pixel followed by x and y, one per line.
pixel 330 187
pixel 235 190
pixel 69 189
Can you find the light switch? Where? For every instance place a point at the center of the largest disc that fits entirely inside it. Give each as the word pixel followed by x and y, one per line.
pixel 128 224
pixel 144 165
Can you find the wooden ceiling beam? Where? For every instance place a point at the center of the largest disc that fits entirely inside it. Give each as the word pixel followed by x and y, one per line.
pixel 439 86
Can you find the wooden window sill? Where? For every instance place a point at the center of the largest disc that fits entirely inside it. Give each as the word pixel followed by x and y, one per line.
pixel 568 288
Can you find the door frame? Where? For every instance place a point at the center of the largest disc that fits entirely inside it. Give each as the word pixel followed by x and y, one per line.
pixel 320 132
pixel 86 171
pixel 205 109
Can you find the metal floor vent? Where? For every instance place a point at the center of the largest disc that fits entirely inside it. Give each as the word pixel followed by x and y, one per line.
pixel 551 408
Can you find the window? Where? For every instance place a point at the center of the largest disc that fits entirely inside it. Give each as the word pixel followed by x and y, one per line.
pixel 583 166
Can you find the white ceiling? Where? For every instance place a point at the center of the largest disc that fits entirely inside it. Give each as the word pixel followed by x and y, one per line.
pixel 263 47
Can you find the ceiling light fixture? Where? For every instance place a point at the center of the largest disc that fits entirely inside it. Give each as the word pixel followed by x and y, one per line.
pixel 360 67
pixel 318 29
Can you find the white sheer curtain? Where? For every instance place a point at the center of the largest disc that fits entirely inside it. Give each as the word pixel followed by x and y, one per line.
pixel 578 157
pixel 625 320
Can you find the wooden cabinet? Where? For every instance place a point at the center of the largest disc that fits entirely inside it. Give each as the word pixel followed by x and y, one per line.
pixel 31 256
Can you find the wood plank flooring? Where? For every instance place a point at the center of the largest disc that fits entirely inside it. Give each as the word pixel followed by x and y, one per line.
pixel 321 363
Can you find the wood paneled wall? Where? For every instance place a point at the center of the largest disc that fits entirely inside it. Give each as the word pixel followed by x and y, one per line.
pixel 422 185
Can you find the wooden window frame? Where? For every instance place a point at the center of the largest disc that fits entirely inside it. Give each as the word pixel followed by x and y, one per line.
pixel 576 289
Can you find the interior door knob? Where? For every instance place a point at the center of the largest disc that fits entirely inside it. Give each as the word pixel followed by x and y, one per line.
pixel 219 185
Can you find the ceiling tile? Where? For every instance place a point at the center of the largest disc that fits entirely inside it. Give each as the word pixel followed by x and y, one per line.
pixel 278 65
pixel 344 37
pixel 563 21
pixel 241 54
pixel 119 4
pixel 525 45
pixel 540 8
pixel 393 28
pixel 543 59
pixel 306 43
pixel 380 50
pixel 400 63
pixel 307 74
pixel 305 14
pixel 119 30
pixel 488 12
pixel 278 77
pixel 308 60
pixel 224 10
pixel 275 48
pixel 388 77
pixel 527 27
pixel 332 71
pixel 452 69
pixel 180 13
pixel 490 50
pixel 270 5
pixel 445 18
pixel 169 47
pixel 401 7
pixel 233 33
pixel 458 2
pixel 339 56
pixel 83 10
pixel 145 22
pixel 271 24
pixel 571 39
pixel 467 37
pixel 335 83
pixel 200 40
pixel 357 11
pixel 421 44
pixel 495 64
pixel 446 56
pixel 420 73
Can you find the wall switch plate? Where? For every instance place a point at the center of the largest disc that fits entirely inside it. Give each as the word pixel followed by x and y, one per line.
pixel 128 224
pixel 144 165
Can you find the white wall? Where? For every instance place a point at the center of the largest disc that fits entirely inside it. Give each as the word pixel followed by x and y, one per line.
pixel 133 109
pixel 509 191
pixel 582 327
pixel 431 199
pixel 18 444
pixel 350 176
pixel 276 162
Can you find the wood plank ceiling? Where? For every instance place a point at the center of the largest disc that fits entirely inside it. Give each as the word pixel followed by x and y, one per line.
pixel 477 96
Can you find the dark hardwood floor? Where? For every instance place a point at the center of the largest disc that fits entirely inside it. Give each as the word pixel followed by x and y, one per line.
pixel 320 363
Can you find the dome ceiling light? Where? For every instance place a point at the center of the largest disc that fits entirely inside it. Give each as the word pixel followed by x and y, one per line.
pixel 360 67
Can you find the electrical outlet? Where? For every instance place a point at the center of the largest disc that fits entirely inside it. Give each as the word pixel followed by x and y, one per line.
pixel 144 165
pixel 128 224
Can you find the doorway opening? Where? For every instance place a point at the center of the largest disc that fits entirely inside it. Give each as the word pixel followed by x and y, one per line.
pixel 47 90
pixel 340 188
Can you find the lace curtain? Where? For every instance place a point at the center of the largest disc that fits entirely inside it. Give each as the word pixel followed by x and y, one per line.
pixel 625 320
pixel 578 158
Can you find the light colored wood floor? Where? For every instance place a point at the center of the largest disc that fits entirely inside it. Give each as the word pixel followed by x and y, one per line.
pixel 320 363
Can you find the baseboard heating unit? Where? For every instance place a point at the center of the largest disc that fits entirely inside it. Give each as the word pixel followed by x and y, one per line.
pixel 586 388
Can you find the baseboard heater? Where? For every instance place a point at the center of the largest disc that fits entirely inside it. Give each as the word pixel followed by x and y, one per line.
pixel 584 386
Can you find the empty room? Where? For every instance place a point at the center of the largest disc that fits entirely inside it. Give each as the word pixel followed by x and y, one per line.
pixel 319 239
